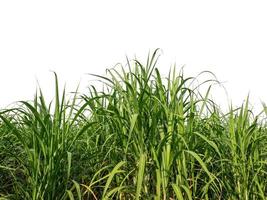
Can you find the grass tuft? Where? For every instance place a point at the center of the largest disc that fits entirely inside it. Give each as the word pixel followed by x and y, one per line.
pixel 143 136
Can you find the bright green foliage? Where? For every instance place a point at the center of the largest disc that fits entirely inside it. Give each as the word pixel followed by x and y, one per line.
pixel 45 140
pixel 142 136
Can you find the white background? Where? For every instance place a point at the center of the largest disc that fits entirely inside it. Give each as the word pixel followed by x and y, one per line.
pixel 78 37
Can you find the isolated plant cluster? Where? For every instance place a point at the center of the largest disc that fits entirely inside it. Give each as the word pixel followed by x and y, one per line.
pixel 141 137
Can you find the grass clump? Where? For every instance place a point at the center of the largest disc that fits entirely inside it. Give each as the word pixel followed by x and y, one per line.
pixel 141 137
